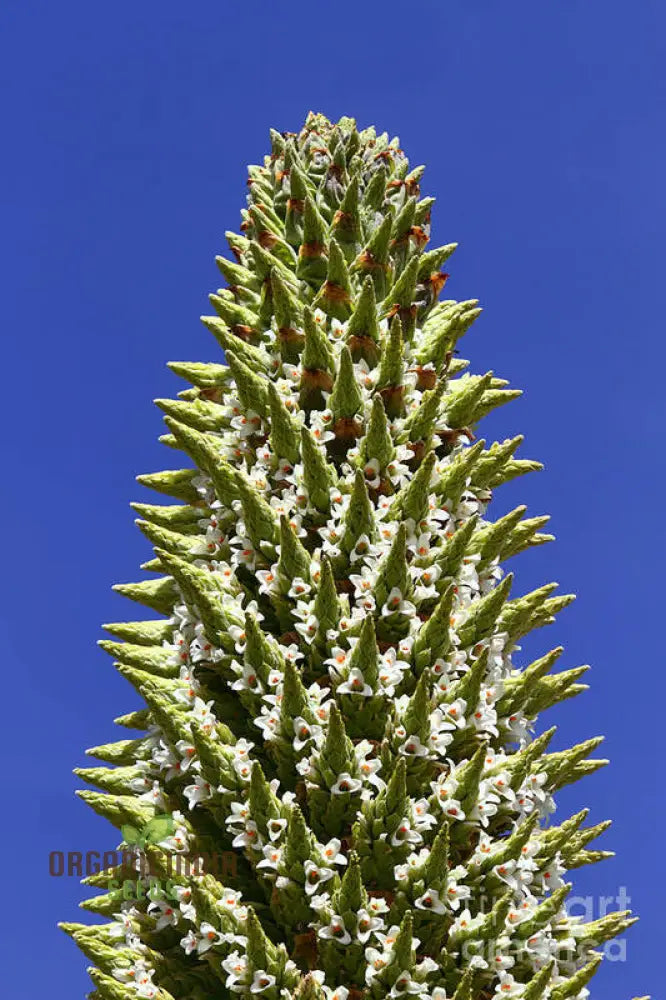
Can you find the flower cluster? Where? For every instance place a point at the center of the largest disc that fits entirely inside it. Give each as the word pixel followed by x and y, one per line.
pixel 330 688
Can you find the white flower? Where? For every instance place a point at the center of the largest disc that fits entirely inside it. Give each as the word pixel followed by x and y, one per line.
pixel 305 733
pixel 339 993
pixel 178 841
pixel 405 835
pixel 371 472
pixel 240 811
pixel 412 747
pixel 147 989
pixel 368 770
pixel 423 818
pixel 299 588
pixel 268 581
pixel 465 922
pixel 243 768
pixel 377 904
pixel 168 917
pixel 335 930
pixel 346 784
pixel 262 981
pixel 337 660
pixel 398 471
pixel 197 792
pixel 364 582
pixel 507 986
pixel 247 680
pixel 308 628
pixel 404 984
pixel 272 857
pixel 138 973
pixel 363 550
pixel 483 849
pixel 209 937
pixel 395 604
pixel 331 852
pixel 231 901
pixel 189 942
pixel 249 837
pixel 355 684
pixel 204 714
pixel 455 892
pixel 315 875
pixel 235 965
pixel 391 670
pixel 505 872
pixel 454 714
pixel 485 806
pixel 291 652
pixel 153 794
pixel 277 827
pixel 377 961
pixel 501 959
pixel 208 543
pixel 430 901
pixel 367 925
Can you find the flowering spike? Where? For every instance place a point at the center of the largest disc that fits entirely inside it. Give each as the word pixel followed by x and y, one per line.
pixel 176 483
pixel 319 476
pixel 363 333
pixel 313 252
pixel 377 444
pixel 346 227
pixel 334 296
pixel 284 435
pixel 294 562
pixel 260 521
pixel 412 501
pixel 332 693
pixel 230 340
pixel 251 388
pixel 374 258
pixel 375 191
pixel 390 380
pixel 288 313
pixel 346 399
pixel 317 353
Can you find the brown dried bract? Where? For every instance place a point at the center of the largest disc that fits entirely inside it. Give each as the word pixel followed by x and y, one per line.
pixel 426 378
pixel 305 949
pixel 288 335
pixel 312 250
pixel 346 428
pixel 419 235
pixel 316 378
pixel 450 437
pixel 243 332
pixel 215 394
pixel 437 280
pixel 266 239
pixel 367 262
pixel 335 293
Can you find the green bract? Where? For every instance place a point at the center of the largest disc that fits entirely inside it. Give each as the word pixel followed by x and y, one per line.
pixel 330 700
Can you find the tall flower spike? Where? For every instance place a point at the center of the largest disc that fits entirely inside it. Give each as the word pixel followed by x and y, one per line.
pixel 338 743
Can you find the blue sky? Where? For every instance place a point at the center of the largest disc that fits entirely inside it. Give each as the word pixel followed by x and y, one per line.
pixel 127 129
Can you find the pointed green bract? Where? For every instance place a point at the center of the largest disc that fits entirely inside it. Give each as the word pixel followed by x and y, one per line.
pixel 335 719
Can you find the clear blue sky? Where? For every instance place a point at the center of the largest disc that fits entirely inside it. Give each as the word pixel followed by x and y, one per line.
pixel 127 127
